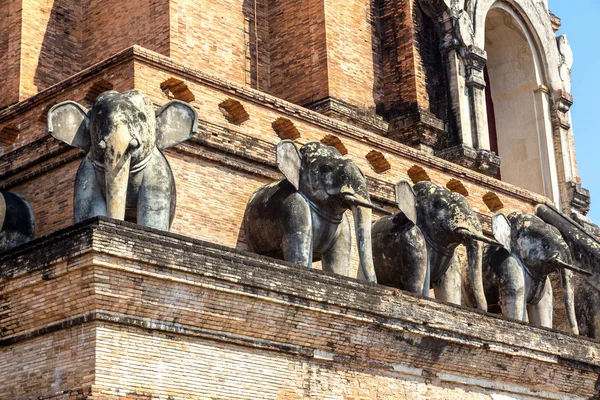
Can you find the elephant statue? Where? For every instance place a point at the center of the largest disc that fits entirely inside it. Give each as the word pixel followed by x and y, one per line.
pixel 414 249
pixel 16 221
pixel 585 252
pixel 124 168
pixel 301 218
pixel 587 307
pixel 516 273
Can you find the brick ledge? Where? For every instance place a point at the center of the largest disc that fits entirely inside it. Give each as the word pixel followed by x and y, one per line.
pixel 153 247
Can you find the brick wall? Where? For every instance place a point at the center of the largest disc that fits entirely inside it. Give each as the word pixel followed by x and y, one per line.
pixel 51 43
pixel 398 57
pixel 430 75
pixel 210 35
pixel 47 365
pixel 298 50
pixel 366 54
pixel 10 51
pixel 354 52
pixel 111 26
pixel 141 313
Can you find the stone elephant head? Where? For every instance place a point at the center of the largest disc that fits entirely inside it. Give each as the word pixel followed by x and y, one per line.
pixel 585 254
pixel 17 224
pixel 302 217
pixel 516 275
pixel 446 220
pixel 124 167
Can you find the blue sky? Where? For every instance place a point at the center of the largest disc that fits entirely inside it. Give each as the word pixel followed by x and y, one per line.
pixel 579 23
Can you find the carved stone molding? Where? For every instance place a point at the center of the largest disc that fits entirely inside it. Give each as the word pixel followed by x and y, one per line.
pixel 563 101
pixel 419 129
pixel 347 112
pixel 484 161
pixel 475 60
pixel 580 199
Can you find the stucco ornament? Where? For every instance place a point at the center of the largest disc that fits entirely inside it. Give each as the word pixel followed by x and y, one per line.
pixel 415 249
pixel 124 168
pixel 516 273
pixel 17 224
pixel 566 61
pixel 302 217
pixel 464 28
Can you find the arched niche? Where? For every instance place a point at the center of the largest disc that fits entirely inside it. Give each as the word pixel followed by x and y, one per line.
pixel 531 16
pixel 518 103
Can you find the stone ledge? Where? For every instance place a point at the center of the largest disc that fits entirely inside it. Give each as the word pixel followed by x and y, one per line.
pixel 198 289
pixel 483 161
pixel 344 111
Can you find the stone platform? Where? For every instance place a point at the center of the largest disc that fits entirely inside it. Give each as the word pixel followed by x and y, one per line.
pixel 109 310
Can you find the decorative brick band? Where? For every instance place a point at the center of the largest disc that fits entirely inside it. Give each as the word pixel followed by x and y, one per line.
pixel 139 54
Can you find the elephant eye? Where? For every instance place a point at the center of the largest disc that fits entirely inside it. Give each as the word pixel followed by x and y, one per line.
pixel 325 169
pixel 142 116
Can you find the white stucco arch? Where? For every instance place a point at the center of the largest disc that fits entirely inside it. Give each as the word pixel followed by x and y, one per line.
pixel 519 79
pixel 534 15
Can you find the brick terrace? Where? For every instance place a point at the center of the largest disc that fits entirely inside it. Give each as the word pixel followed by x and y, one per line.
pixel 110 310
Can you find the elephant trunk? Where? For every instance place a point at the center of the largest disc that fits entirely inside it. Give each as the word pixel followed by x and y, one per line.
pixel 569 298
pixel 474 271
pixel 362 227
pixel 475 274
pixel 117 162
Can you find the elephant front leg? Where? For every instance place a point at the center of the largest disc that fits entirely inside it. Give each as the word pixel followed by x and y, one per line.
pixel 297 247
pixel 153 208
pixel 512 289
pixel 156 196
pixel 88 201
pixel 569 298
pixel 540 314
pixel 337 258
pixel 449 286
pixel 297 239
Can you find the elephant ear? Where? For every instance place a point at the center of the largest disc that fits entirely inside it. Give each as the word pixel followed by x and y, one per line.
pixel 289 161
pixel 176 121
pixel 407 200
pixel 501 229
pixel 68 122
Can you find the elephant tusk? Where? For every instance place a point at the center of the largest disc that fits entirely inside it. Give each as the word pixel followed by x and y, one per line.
pixel 468 234
pixel 562 264
pixel 354 201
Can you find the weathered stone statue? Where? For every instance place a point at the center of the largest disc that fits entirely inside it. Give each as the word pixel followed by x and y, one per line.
pixel 585 253
pixel 415 249
pixel 124 167
pixel 301 218
pixel 16 221
pixel 516 275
